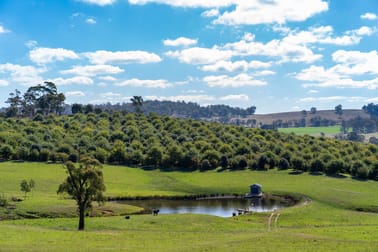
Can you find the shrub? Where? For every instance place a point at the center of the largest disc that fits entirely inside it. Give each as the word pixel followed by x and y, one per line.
pixel 283 164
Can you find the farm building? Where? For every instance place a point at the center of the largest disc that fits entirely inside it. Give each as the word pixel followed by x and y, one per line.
pixel 255 191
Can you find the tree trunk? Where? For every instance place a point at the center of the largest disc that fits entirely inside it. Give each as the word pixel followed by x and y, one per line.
pixel 81 216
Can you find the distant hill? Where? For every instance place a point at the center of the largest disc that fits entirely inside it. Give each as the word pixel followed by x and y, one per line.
pixel 288 119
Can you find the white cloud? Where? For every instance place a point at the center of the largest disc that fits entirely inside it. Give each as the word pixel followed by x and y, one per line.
pixel 240 80
pixel 181 41
pixel 122 57
pixel 99 2
pixel 200 56
pixel 369 16
pixel 188 3
pixel 107 78
pixel 145 83
pixel 332 99
pixel 90 21
pixel 3 30
pixel 4 83
pixel 286 51
pixel 47 55
pixel 253 12
pixel 211 13
pixel 110 95
pixel 324 35
pixel 93 70
pixel 78 80
pixel 264 73
pixel 240 97
pixel 31 44
pixel 201 99
pixel 230 66
pixel 227 66
pixel 24 75
pixel 75 94
pixel 355 62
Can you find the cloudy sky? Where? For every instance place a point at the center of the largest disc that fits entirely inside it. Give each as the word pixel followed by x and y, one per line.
pixel 279 55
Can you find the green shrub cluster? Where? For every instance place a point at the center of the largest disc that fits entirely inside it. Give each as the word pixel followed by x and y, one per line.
pixel 178 144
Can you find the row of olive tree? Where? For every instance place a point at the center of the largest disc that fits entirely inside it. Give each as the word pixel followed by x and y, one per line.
pixel 168 143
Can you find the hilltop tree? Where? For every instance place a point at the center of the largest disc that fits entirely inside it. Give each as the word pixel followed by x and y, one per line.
pixel 15 104
pixel 85 183
pixel 137 102
pixel 313 110
pixel 339 110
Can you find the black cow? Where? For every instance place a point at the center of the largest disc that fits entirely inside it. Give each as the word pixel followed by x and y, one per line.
pixel 155 211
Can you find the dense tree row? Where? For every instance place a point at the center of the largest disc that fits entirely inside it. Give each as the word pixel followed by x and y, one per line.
pixel 178 109
pixel 178 144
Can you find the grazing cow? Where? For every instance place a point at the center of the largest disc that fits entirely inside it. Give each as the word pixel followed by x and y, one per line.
pixel 155 212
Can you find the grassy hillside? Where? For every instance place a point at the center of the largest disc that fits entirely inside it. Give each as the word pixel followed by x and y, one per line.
pixel 327 222
pixel 298 115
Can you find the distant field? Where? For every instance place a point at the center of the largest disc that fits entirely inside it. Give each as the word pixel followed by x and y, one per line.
pixel 312 130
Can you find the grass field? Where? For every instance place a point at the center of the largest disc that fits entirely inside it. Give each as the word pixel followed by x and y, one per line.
pixel 328 223
pixel 332 130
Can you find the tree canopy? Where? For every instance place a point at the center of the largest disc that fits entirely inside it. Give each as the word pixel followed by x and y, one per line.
pixel 85 183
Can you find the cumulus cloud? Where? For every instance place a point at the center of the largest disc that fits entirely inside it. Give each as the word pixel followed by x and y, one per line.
pixel 201 99
pixel 324 35
pixel 240 80
pixel 74 94
pixel 90 21
pixel 122 57
pixel 253 12
pixel 145 83
pixel 78 80
pixel 211 13
pixel 346 74
pixel 3 30
pixel 369 16
pixel 21 74
pixel 239 97
pixel 181 41
pixel 332 99
pixel 286 51
pixel 250 12
pixel 93 70
pixel 200 56
pixel 99 2
pixel 188 4
pixel 230 66
pixel 47 55
pixel 4 83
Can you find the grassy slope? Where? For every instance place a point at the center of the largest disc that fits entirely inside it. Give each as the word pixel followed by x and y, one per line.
pixel 323 225
pixel 332 130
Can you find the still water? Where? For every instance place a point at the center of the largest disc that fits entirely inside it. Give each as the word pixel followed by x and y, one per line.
pixel 217 207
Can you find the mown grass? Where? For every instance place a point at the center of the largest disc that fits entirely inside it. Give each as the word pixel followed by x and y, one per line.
pixel 331 130
pixel 328 223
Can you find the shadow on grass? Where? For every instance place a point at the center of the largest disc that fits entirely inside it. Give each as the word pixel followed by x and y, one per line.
pixel 339 176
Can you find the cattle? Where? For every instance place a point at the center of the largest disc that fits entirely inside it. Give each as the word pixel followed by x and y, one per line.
pixel 155 211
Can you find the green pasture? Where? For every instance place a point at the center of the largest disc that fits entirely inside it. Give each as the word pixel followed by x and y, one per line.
pixel 332 130
pixel 326 221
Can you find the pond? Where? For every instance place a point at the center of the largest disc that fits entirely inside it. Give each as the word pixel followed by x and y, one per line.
pixel 222 207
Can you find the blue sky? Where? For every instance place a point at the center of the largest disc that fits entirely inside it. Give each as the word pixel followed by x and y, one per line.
pixel 278 55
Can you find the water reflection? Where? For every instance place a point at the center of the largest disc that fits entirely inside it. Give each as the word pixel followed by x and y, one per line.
pixel 217 207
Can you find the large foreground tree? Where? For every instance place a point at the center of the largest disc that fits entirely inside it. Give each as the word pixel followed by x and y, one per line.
pixel 85 183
